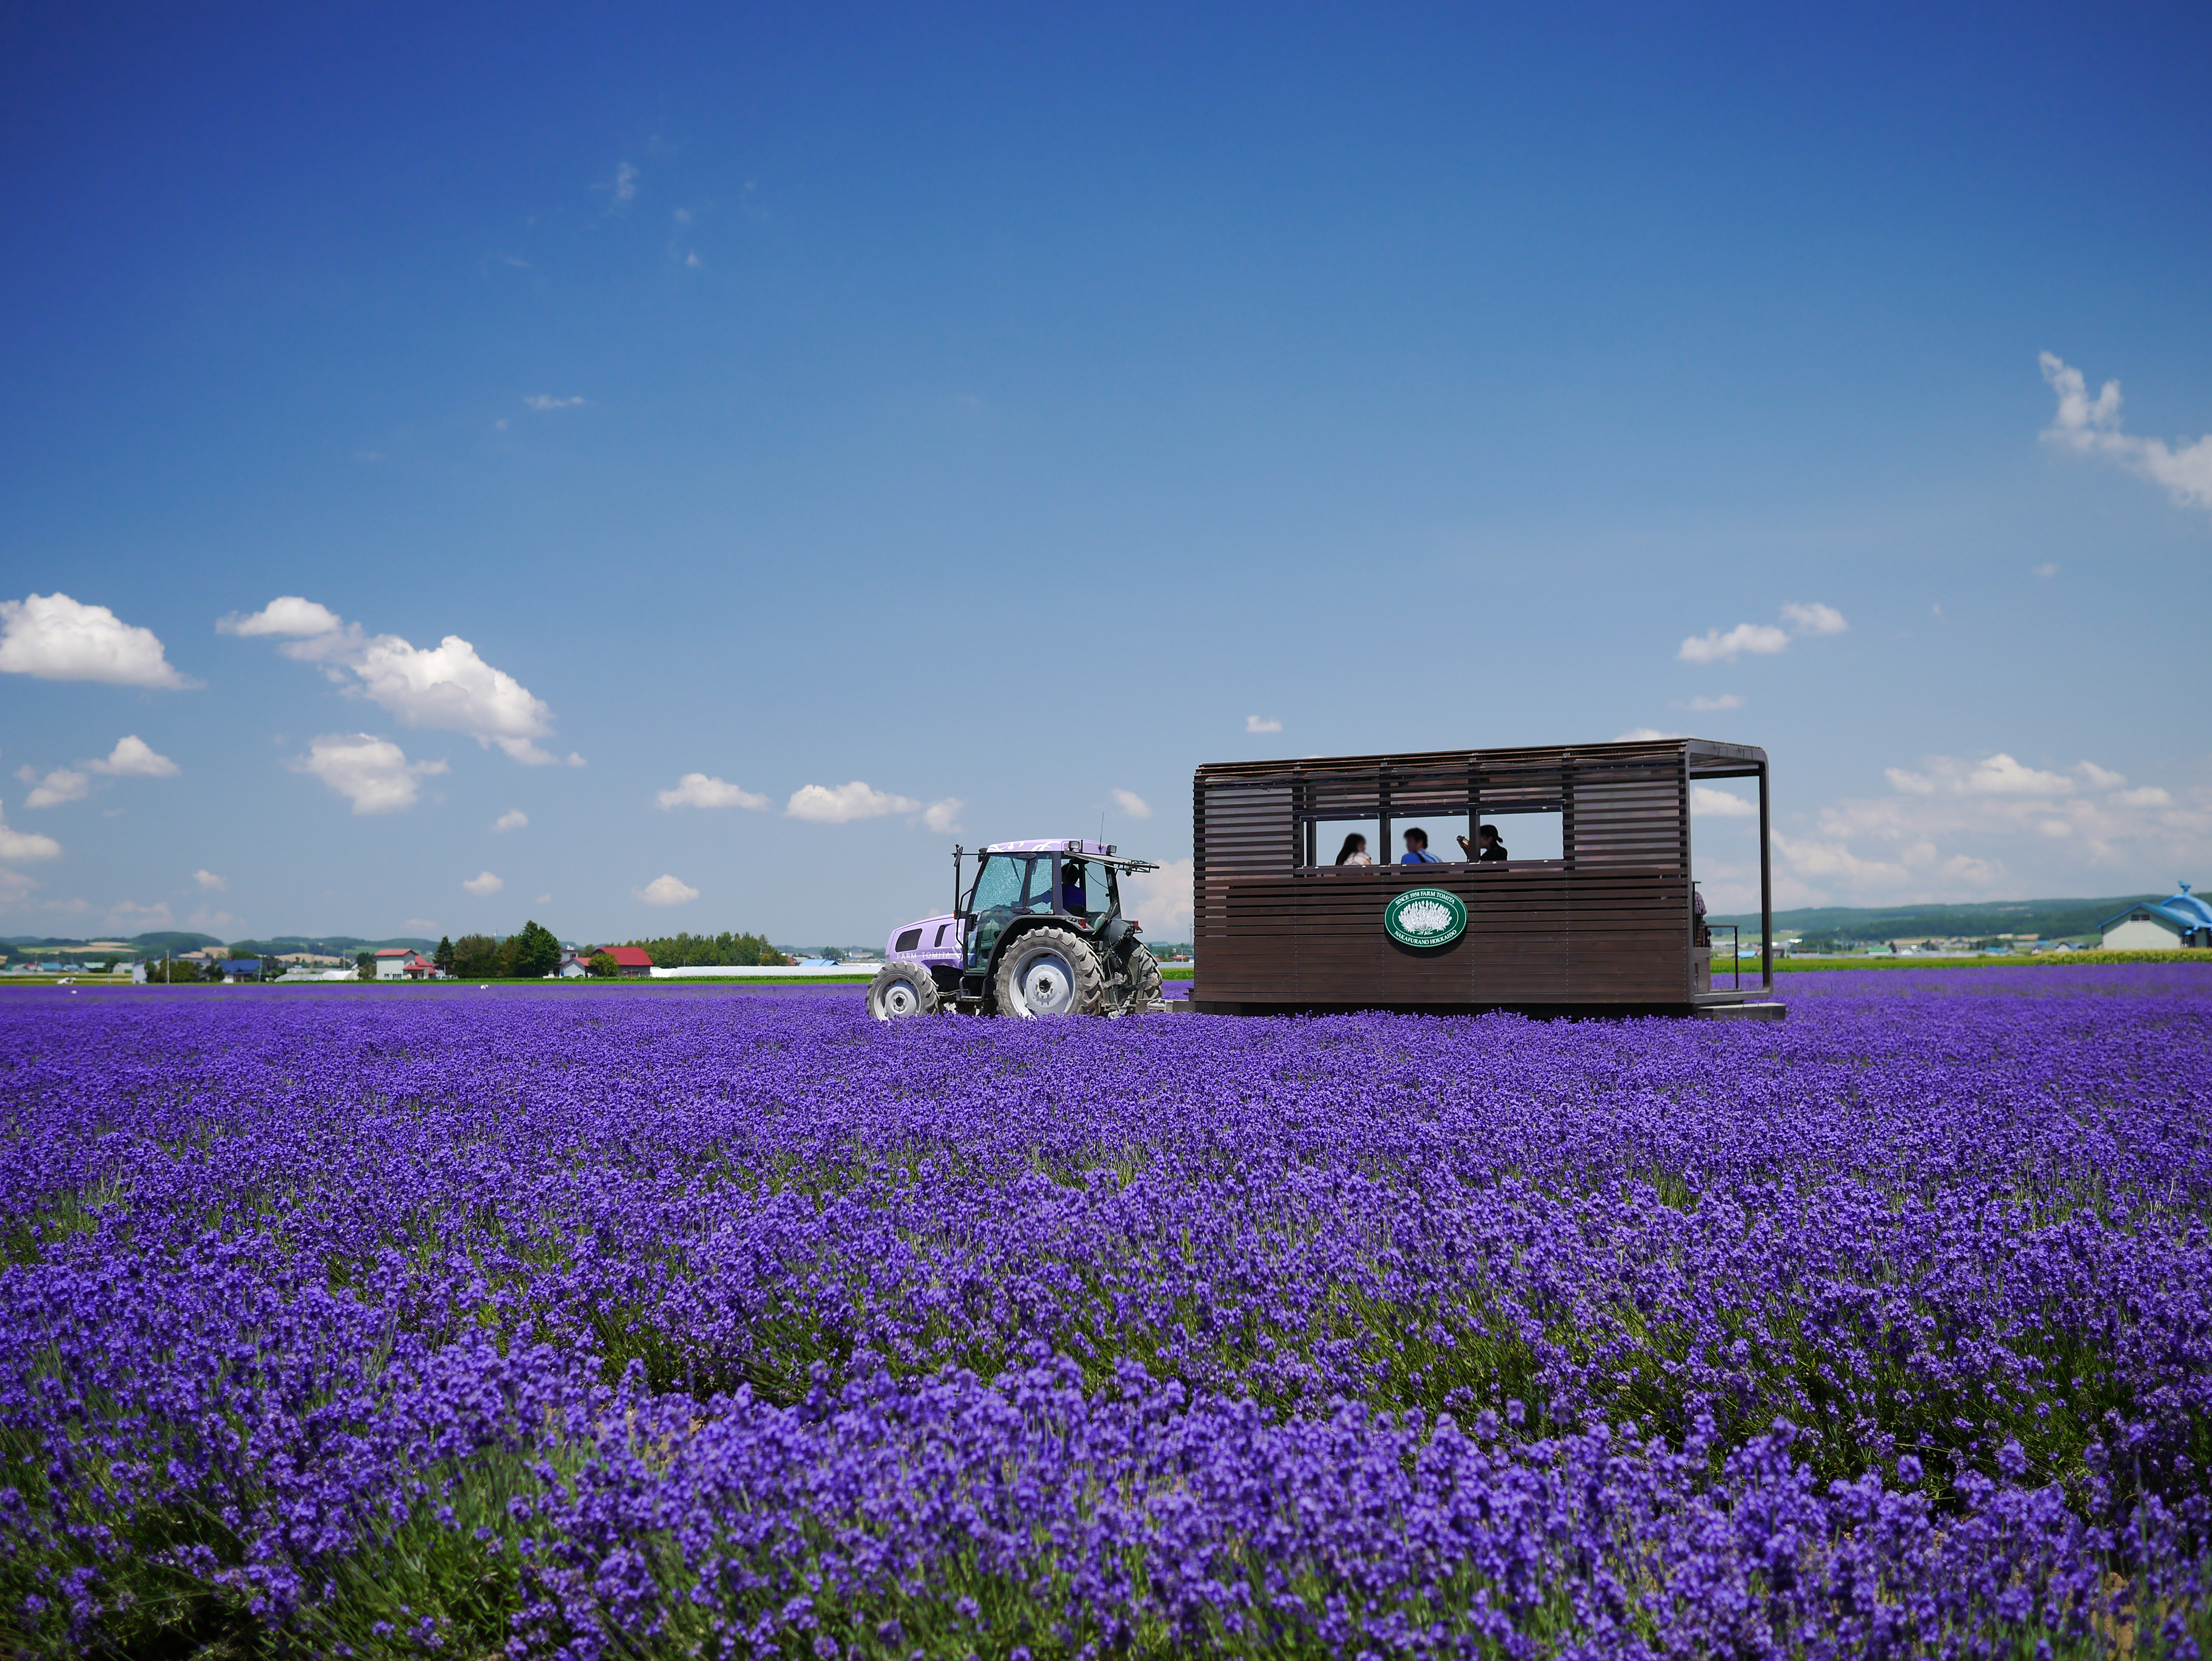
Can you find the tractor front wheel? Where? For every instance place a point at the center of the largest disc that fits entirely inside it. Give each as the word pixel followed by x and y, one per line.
pixel 1051 971
pixel 902 988
pixel 1142 989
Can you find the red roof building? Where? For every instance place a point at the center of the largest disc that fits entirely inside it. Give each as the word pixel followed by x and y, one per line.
pixel 629 959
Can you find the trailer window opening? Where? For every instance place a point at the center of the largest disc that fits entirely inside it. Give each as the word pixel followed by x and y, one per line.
pixel 1533 833
pixel 1325 841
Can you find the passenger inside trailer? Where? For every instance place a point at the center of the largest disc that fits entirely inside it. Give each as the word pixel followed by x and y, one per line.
pixel 1486 845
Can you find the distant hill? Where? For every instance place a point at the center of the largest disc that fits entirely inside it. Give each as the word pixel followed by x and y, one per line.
pixel 171 941
pixel 175 941
pixel 336 945
pixel 2051 919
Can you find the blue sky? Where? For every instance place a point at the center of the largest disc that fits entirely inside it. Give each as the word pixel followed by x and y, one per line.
pixel 925 418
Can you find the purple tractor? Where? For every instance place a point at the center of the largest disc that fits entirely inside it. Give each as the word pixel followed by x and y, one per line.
pixel 1039 931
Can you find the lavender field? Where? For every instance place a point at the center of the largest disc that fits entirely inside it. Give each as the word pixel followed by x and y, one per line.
pixel 686 1321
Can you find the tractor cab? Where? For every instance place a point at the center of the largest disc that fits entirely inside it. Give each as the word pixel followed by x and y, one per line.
pixel 1014 881
pixel 1039 930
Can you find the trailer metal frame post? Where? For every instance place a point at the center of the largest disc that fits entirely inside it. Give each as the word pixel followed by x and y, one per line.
pixel 1567 810
pixel 1690 884
pixel 1765 892
pixel 1384 857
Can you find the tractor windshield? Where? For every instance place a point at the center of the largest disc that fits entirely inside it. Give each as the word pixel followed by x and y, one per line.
pixel 1007 884
pixel 997 883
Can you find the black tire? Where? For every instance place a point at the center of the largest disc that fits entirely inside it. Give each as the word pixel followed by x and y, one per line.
pixel 1141 991
pixel 900 989
pixel 1050 971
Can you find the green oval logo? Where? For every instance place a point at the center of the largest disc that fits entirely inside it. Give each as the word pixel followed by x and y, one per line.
pixel 1425 916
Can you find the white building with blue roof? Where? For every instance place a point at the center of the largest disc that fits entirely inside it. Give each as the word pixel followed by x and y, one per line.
pixel 2184 920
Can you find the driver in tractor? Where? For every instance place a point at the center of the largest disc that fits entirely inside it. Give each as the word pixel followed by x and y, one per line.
pixel 1071 897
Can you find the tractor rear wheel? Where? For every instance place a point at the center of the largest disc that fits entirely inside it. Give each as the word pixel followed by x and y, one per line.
pixel 1051 971
pixel 902 988
pixel 1142 990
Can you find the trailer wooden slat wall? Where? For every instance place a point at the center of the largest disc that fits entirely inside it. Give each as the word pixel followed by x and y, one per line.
pixel 1608 922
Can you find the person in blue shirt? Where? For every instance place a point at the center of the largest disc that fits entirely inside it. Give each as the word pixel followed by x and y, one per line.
pixel 1072 899
pixel 1417 848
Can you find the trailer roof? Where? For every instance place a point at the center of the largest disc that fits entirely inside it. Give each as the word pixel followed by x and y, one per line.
pixel 1707 758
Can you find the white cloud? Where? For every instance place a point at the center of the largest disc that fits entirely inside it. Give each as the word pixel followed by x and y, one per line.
pixel 513 820
pixel 665 890
pixel 212 920
pixel 128 916
pixel 26 844
pixel 2092 427
pixel 543 401
pixel 1994 776
pixel 1721 804
pixel 134 758
pixel 694 261
pixel 2048 568
pixel 698 790
pixel 422 925
pixel 1644 735
pixel 288 614
pixel 373 773
pixel 838 803
pixel 943 816
pixel 1763 639
pixel 483 884
pixel 1956 828
pixel 625 182
pixel 56 787
pixel 1132 804
pixel 1814 619
pixel 1714 647
pixel 447 686
pixel 1725 701
pixel 209 882
pixel 1259 724
pixel 1161 900
pixel 54 637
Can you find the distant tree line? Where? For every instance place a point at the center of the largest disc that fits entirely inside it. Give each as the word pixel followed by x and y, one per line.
pixel 710 951
pixel 530 956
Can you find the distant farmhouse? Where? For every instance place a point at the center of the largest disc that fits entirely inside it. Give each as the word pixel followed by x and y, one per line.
pixel 2184 920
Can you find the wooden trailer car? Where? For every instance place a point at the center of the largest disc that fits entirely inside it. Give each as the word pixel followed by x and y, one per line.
pixel 1591 912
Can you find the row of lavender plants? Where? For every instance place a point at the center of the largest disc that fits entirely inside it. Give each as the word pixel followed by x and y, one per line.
pixel 698 1322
